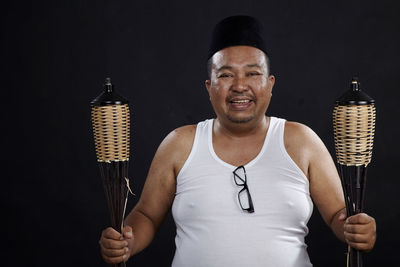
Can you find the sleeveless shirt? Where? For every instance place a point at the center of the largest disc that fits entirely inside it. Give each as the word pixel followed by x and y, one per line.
pixel 212 230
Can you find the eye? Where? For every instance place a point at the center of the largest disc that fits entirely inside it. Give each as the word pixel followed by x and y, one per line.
pixel 225 75
pixel 254 73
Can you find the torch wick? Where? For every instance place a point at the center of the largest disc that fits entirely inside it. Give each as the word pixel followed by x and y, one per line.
pixel 355 85
pixel 108 85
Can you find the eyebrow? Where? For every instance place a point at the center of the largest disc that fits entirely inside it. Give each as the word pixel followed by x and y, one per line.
pixel 253 65
pixel 227 67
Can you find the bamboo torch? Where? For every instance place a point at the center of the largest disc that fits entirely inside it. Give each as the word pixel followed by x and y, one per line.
pixel 111 129
pixel 354 126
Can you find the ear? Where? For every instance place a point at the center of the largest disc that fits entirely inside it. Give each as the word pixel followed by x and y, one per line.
pixel 271 82
pixel 207 83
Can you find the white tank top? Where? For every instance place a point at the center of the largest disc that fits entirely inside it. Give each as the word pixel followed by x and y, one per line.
pixel 212 228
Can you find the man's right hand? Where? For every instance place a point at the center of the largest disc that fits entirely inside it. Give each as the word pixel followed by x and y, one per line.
pixel 116 247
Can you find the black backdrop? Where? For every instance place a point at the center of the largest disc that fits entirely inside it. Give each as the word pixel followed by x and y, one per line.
pixel 56 55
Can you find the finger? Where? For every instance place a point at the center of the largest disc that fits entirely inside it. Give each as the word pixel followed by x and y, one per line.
pixel 360 246
pixel 112 253
pixel 357 238
pixel 111 233
pixel 113 244
pixel 115 260
pixel 356 228
pixel 127 232
pixel 360 218
pixel 342 216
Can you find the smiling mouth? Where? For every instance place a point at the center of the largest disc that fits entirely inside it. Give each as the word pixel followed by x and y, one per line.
pixel 244 101
pixel 240 104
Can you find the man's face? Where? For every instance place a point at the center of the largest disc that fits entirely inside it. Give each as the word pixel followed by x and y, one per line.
pixel 240 86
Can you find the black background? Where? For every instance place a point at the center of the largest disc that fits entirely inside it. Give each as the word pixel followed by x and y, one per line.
pixel 55 56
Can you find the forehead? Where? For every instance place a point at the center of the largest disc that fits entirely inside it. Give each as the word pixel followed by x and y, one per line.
pixel 237 56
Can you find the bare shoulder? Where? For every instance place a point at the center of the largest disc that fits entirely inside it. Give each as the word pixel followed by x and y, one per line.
pixel 298 130
pixel 302 136
pixel 184 132
pixel 302 144
pixel 177 145
pixel 180 138
pixel 310 153
pixel 159 190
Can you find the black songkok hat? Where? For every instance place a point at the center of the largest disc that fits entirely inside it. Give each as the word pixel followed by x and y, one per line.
pixel 237 30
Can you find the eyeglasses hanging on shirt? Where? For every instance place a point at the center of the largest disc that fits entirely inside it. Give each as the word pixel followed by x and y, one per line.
pixel 244 197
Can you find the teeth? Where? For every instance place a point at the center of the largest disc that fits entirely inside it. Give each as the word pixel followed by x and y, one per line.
pixel 241 101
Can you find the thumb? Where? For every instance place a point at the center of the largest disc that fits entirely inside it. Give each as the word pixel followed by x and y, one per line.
pixel 342 215
pixel 127 232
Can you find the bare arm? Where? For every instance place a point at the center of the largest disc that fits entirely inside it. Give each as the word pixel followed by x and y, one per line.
pixel 309 152
pixel 159 190
pixel 311 155
pixel 359 230
pixel 156 199
pixel 325 186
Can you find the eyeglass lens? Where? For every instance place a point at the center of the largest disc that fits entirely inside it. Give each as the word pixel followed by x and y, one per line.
pixel 244 198
pixel 240 176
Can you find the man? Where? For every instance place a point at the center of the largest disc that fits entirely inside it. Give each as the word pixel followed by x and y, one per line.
pixel 240 186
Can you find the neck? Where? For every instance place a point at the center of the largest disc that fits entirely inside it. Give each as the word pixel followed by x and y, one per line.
pixel 239 130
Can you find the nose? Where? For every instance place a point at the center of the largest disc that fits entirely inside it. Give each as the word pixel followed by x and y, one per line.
pixel 239 84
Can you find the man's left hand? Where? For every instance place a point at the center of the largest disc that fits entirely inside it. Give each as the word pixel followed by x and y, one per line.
pixel 360 231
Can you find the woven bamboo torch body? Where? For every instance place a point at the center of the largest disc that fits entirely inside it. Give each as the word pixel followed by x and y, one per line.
pixel 111 129
pixel 354 126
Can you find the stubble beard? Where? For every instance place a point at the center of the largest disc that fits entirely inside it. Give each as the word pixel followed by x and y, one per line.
pixel 243 119
pixel 240 120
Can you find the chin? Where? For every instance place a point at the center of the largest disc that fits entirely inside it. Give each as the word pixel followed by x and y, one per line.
pixel 240 119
